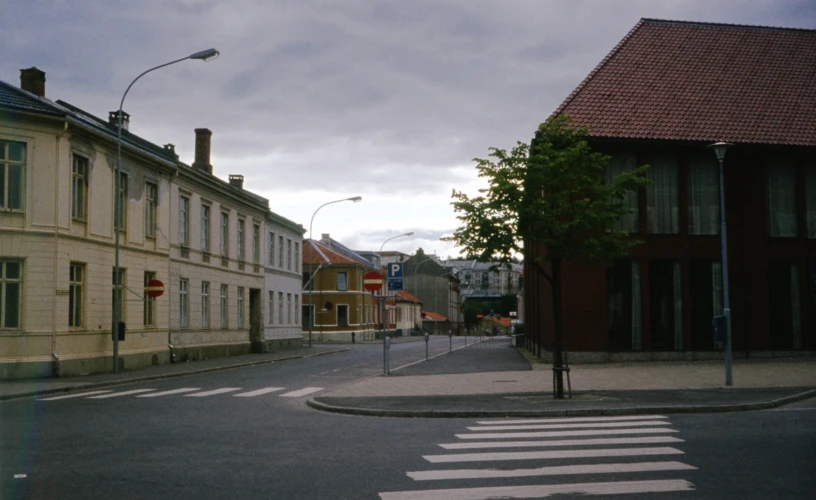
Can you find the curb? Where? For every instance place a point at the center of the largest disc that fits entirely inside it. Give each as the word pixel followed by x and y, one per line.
pixel 577 412
pixel 148 378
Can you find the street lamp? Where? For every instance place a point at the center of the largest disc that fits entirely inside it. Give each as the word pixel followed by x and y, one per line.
pixel 382 301
pixel 355 199
pixel 204 55
pixel 719 149
pixel 416 283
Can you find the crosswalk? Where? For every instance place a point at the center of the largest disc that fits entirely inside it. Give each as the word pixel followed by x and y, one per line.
pixel 191 392
pixel 568 456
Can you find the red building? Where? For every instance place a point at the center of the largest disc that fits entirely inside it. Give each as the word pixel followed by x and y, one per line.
pixel 664 93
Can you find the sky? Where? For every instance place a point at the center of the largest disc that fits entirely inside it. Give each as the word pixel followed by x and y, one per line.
pixel 316 101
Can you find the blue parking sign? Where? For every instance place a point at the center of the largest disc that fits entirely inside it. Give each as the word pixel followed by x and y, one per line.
pixel 394 270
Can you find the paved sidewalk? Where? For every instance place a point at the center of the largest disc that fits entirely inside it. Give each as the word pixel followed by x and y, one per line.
pixel 448 387
pixel 11 389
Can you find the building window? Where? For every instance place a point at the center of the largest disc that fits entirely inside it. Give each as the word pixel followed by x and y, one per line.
pixel 149 302
pixel 342 315
pixel 184 303
pixel 76 295
pixel 617 165
pixel 11 284
pixel 120 291
pixel 184 221
pixel 280 308
pixel 342 281
pixel 666 305
pixel 297 303
pixel 224 307
pixel 123 202
pixel 782 201
pixel 151 202
pixel 280 252
pixel 662 195
pixel 624 305
pixel 271 249
pixel 706 301
pixel 271 319
pixel 810 195
pixel 12 173
pixel 703 195
pixel 785 306
pixel 289 254
pixel 240 239
pixel 79 187
pixel 289 308
pixel 205 228
pixel 224 234
pixel 205 304
pixel 256 243
pixel 297 257
pixel 240 307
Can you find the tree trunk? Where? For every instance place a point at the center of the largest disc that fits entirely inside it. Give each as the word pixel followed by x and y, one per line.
pixel 558 345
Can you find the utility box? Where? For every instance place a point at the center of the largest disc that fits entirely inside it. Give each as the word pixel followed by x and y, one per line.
pixel 720 328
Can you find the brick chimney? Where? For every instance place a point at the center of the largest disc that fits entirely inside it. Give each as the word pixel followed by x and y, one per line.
pixel 237 181
pixel 113 119
pixel 171 149
pixel 33 80
pixel 202 150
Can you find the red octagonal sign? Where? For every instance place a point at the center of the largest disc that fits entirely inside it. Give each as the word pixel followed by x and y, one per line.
pixel 372 281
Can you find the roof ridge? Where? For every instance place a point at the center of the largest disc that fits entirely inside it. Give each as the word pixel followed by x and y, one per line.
pixel 724 25
pixel 595 71
pixel 34 97
pixel 319 250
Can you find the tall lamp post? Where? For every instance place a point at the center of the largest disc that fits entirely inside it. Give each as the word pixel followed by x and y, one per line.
pixel 204 55
pixel 382 301
pixel 719 149
pixel 355 199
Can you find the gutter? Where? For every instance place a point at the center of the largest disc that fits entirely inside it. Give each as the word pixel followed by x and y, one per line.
pixel 57 141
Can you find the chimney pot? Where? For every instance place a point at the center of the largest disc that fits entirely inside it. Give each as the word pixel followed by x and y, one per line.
pixel 237 181
pixel 113 119
pixel 171 148
pixel 202 150
pixel 33 80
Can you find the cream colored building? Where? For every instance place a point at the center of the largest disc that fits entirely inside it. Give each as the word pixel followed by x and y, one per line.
pixel 57 165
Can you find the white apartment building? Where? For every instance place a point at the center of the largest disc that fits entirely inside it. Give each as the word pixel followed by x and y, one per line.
pixel 57 168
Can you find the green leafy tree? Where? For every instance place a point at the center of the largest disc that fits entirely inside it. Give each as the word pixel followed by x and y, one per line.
pixel 549 202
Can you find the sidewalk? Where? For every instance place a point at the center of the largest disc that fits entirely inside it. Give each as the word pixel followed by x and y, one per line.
pixel 11 389
pixel 447 386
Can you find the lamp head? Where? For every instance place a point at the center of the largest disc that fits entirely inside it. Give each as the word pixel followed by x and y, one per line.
pixel 720 148
pixel 206 55
pixel 356 199
pixel 409 234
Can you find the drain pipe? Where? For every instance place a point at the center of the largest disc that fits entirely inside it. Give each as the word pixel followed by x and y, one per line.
pixel 56 250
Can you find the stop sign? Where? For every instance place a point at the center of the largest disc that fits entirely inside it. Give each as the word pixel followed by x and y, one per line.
pixel 154 288
pixel 372 281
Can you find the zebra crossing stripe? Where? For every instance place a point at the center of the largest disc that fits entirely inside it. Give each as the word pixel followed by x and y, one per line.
pixel 167 393
pixel 258 392
pixel 546 434
pixel 117 394
pixel 537 455
pixel 301 392
pixel 549 471
pixel 544 490
pixel 213 392
pixel 595 425
pixel 562 442
pixel 572 419
pixel 68 396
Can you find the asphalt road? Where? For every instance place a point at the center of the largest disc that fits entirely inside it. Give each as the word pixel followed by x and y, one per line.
pixel 247 443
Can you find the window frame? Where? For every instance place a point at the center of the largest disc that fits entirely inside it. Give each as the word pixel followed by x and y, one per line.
pixel 344 286
pixel 184 220
pixel 5 281
pixel 79 187
pixel 151 209
pixel 184 303
pixel 205 228
pixel 76 286
pixel 240 306
pixel 224 306
pixel 241 240
pixel 6 162
pixel 225 234
pixel 149 311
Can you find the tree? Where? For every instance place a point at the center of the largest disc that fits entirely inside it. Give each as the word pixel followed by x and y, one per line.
pixel 550 202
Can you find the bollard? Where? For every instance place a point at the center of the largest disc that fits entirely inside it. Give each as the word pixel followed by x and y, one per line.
pixel 386 347
pixel 352 338
pixel 426 346
pixel 450 340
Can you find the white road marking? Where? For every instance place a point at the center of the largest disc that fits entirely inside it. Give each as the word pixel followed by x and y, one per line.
pixel 595 425
pixel 537 455
pixel 78 395
pixel 212 392
pixel 562 442
pixel 302 392
pixel 167 393
pixel 258 392
pixel 544 434
pixel 117 394
pixel 549 471
pixel 573 419
pixel 542 490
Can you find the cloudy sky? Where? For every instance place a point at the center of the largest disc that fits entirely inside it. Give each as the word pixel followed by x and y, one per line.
pixel 314 101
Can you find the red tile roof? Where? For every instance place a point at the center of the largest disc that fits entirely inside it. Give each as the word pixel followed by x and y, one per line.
pixel 323 254
pixel 404 296
pixel 699 81
pixel 432 316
